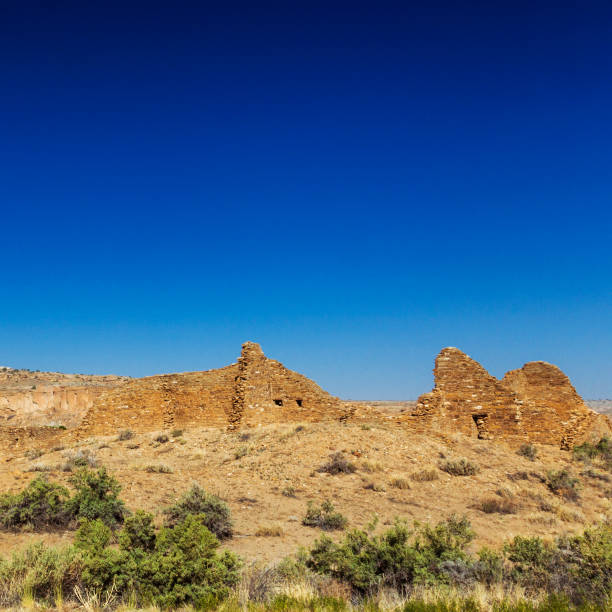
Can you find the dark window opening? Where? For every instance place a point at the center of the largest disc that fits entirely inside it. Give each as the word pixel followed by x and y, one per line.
pixel 480 420
pixel 299 402
pixel 278 402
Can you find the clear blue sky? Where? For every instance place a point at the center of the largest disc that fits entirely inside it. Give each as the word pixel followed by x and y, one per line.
pixel 353 186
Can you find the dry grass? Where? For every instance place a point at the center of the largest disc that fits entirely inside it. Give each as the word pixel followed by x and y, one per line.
pixel 371 466
pixel 399 483
pixel 160 468
pixel 426 475
pixel 270 531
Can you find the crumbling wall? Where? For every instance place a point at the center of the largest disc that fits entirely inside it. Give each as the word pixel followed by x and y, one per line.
pixel 154 403
pixel 254 391
pixel 268 392
pixel 557 415
pixel 536 402
pixel 467 399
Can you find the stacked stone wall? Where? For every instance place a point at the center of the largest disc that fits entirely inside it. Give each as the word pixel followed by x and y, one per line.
pixel 267 392
pixel 536 403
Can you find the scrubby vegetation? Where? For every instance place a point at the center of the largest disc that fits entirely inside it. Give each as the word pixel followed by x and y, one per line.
pixel 324 517
pixel 214 512
pixel 529 451
pixel 118 558
pixel 338 464
pixel 562 483
pixel 459 467
pixel 46 505
pixel 600 453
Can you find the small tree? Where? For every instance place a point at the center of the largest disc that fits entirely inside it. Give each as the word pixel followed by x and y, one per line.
pixel 96 497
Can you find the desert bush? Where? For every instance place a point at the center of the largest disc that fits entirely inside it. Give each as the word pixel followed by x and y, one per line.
pixel 374 486
pixel 602 451
pixel 176 433
pixel 34 453
pixel 397 558
pixel 41 504
pixel 324 517
pixel 215 512
pixel 289 491
pixel 562 483
pixel 126 434
pixel 161 438
pixel 498 505
pixel 520 475
pixel 459 467
pixel 400 483
pixel 79 459
pixel 427 475
pixel 158 468
pixel 529 451
pixel 338 464
pixel 96 497
pixel 170 568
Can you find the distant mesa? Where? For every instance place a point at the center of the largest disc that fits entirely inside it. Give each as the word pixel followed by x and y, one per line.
pixel 535 403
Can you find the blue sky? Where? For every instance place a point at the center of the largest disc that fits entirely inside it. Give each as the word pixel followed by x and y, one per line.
pixel 354 187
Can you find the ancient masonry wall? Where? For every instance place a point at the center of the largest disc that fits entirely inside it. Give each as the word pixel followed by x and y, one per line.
pixel 557 413
pixel 267 392
pixel 535 403
pixel 162 402
pixel 255 391
pixel 467 399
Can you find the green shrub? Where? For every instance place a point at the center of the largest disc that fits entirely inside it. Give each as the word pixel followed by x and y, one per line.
pixel 96 497
pixel 41 504
pixel 602 451
pixel 215 512
pixel 324 517
pixel 397 558
pixel 562 483
pixel 459 467
pixel 529 451
pixel 176 433
pixel 338 464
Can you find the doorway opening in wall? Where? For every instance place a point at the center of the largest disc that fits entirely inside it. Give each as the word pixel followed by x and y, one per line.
pixel 299 402
pixel 278 402
pixel 480 420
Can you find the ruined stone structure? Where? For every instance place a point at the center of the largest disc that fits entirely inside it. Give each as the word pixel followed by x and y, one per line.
pixel 536 403
pixel 255 391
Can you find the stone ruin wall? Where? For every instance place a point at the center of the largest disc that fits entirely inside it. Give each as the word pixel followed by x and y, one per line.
pixel 255 391
pixel 556 411
pixel 536 403
pixel 267 392
pixel 467 399
pixel 164 402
